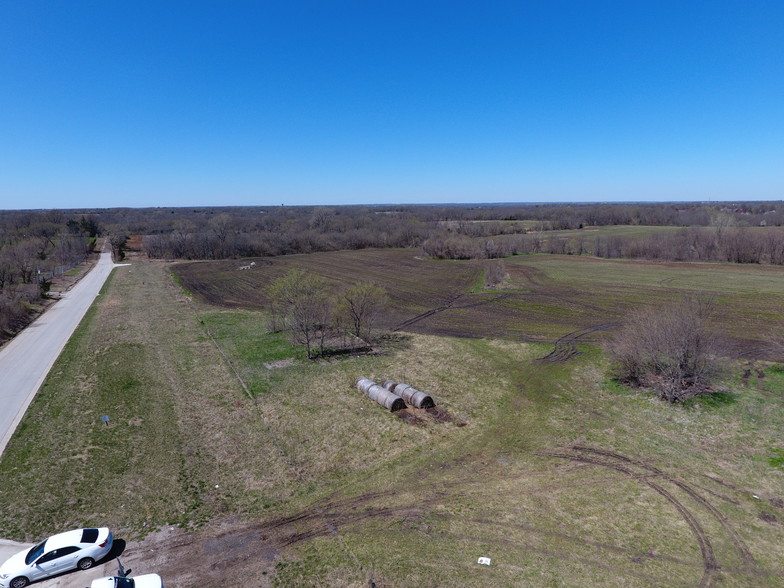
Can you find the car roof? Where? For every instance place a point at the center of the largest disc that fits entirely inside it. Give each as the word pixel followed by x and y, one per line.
pixel 76 537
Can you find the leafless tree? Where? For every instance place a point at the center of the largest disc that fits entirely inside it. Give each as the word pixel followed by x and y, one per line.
pixel 23 256
pixel 672 350
pixel 304 299
pixel 360 306
pixel 222 227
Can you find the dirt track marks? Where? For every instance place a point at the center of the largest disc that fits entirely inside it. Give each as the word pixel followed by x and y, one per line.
pixel 566 346
pixel 452 303
pixel 655 479
pixel 426 314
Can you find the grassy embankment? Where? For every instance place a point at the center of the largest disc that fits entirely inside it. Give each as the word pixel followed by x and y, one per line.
pixel 405 504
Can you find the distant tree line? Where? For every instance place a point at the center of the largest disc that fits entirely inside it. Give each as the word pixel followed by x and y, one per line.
pixel 748 232
pixel 742 232
pixel 708 244
pixel 454 232
pixel 281 233
pixel 732 244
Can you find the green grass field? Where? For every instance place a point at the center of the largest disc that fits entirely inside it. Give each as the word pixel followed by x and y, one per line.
pixel 554 471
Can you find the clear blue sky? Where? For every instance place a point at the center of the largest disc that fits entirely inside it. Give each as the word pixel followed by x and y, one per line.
pixel 138 103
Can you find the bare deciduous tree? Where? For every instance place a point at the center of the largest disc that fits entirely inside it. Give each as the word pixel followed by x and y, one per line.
pixel 360 306
pixel 117 240
pixel 304 299
pixel 672 350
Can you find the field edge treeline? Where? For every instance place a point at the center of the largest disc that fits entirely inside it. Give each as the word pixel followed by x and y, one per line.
pixel 35 246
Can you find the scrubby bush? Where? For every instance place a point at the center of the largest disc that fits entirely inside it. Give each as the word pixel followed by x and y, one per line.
pixel 672 350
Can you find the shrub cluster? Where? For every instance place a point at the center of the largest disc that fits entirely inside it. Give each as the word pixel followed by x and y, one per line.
pixel 672 350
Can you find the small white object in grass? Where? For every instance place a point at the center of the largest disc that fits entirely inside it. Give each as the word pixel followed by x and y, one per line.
pixel 755 496
pixel 485 561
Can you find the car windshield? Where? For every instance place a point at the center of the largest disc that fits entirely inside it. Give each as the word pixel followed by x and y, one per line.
pixel 35 552
pixel 123 583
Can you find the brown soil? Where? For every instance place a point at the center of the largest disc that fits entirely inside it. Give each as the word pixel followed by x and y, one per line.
pixel 246 552
pixel 438 298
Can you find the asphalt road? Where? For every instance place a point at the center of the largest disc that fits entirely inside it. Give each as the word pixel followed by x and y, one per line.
pixel 27 358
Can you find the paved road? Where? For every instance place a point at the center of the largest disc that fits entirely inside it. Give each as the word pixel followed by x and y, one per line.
pixel 26 360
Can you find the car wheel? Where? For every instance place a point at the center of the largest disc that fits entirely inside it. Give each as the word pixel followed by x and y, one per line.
pixel 19 582
pixel 86 563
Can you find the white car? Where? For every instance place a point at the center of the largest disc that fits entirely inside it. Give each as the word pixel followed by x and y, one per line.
pixel 121 580
pixel 77 549
pixel 145 581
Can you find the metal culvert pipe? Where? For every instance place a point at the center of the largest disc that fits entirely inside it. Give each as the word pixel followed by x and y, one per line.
pixel 363 384
pixel 390 385
pixel 413 396
pixel 381 395
pixel 385 398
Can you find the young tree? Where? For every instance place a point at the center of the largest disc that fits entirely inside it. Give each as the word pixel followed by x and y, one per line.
pixel 304 300
pixel 672 350
pixel 360 305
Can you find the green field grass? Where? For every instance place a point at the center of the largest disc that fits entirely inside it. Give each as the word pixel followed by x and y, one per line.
pixel 553 470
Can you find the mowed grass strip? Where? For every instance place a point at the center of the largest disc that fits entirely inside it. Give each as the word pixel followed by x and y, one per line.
pixel 140 358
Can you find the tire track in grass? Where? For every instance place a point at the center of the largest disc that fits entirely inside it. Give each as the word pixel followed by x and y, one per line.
pixel 566 346
pixel 334 515
pixel 426 314
pixel 710 566
pixel 648 476
pixel 737 541
pixel 449 305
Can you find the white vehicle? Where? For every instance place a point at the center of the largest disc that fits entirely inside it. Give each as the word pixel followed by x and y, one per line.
pixel 121 580
pixel 77 549
pixel 145 581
